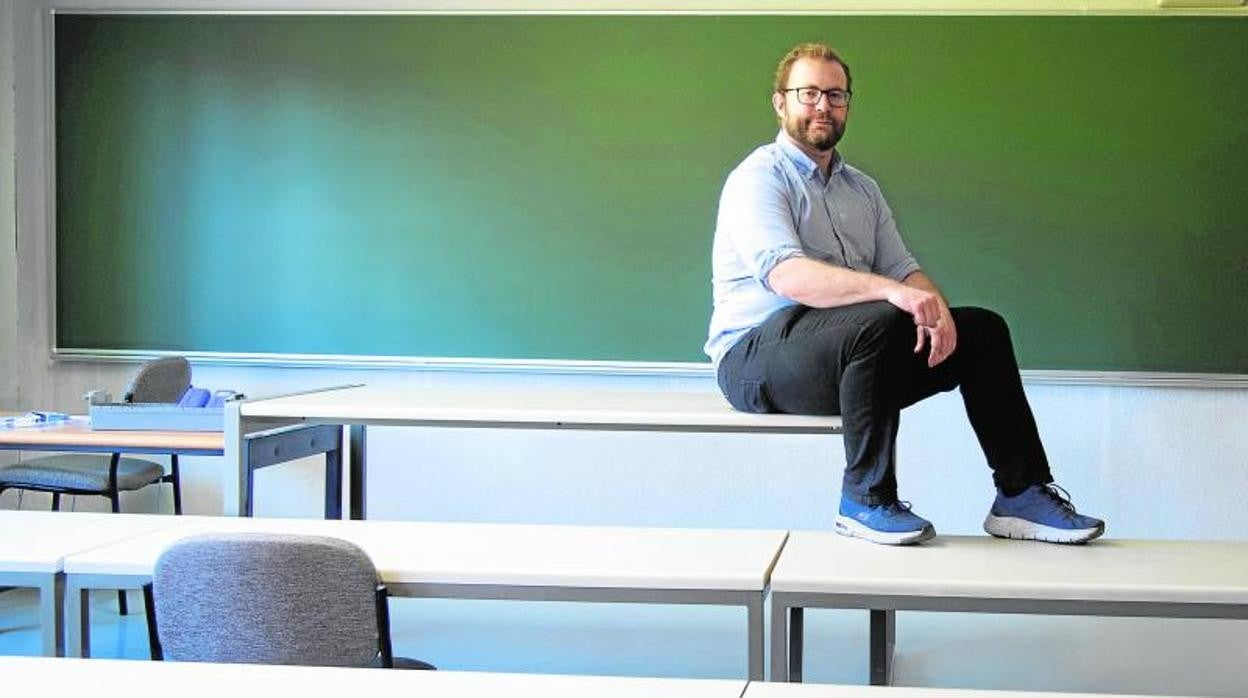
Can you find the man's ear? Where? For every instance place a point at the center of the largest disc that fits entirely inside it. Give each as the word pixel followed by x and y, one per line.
pixel 777 103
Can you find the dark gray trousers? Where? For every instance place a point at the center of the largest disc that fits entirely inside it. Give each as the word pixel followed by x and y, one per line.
pixel 858 361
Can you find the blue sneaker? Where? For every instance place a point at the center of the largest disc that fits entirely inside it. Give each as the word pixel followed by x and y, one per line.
pixel 1041 512
pixel 889 524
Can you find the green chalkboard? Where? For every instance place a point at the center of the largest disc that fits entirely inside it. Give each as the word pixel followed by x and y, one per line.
pixel 544 187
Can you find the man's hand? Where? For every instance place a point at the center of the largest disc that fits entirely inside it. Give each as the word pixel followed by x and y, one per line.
pixel 924 306
pixel 944 338
pixel 933 323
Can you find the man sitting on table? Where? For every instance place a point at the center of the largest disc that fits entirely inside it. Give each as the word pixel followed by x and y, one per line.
pixel 820 309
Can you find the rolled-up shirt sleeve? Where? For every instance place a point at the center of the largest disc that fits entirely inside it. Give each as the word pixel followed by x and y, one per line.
pixel 757 220
pixel 892 259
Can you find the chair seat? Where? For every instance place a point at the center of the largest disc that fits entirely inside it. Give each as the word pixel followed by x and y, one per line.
pixel 80 472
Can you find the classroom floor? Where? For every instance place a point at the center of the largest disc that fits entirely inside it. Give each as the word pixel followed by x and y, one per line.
pixel 1102 655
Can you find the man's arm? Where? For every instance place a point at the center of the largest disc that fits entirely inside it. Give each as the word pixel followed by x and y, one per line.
pixel 821 285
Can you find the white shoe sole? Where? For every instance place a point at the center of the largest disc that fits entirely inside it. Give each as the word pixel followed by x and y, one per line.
pixel 849 527
pixel 1022 529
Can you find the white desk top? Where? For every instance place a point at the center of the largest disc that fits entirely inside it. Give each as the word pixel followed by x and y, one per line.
pixel 758 689
pixel 986 567
pixel 108 678
pixel 39 541
pixel 584 408
pixel 470 553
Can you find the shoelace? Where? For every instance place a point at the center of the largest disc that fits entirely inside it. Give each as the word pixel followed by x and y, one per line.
pixel 899 505
pixel 891 508
pixel 1060 496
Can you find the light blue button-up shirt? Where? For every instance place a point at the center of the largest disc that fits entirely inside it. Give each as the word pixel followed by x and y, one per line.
pixel 777 204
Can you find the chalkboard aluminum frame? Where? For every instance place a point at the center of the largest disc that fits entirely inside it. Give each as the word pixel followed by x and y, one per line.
pixel 553 366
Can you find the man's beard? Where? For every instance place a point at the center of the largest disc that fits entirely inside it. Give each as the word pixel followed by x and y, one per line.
pixel 821 140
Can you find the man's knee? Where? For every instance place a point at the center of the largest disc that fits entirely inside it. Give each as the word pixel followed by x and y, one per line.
pixel 981 322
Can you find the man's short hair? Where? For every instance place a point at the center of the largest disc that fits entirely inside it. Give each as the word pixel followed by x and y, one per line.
pixel 809 50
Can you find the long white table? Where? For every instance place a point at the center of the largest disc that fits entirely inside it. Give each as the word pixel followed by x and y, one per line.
pixel 117 678
pixel 34 545
pixel 489 561
pixel 616 409
pixel 260 448
pixel 1108 577
pixel 114 678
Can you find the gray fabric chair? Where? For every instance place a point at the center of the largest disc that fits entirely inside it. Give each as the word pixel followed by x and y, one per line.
pixel 261 598
pixel 161 380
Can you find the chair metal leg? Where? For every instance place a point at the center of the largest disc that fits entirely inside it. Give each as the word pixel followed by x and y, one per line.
pixel 176 480
pixel 56 501
pixel 385 650
pixel 114 497
pixel 153 634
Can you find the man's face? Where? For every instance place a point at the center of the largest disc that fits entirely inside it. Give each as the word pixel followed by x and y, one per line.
pixel 816 127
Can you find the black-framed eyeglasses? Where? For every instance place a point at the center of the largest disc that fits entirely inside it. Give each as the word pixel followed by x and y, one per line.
pixel 810 96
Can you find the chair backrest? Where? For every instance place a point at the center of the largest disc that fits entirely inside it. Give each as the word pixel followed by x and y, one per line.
pixel 259 598
pixel 160 380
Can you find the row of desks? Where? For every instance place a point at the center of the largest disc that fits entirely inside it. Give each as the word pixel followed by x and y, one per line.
pixel 64 555
pixel 951 574
pixel 262 432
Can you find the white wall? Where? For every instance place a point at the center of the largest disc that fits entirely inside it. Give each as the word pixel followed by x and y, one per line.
pixel 8 239
pixel 1156 462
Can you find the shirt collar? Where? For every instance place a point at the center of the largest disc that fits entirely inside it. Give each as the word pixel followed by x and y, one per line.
pixel 804 164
